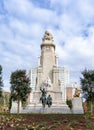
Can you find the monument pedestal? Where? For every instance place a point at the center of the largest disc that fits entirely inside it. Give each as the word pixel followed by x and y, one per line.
pixel 55 108
pixel 14 108
pixel 77 105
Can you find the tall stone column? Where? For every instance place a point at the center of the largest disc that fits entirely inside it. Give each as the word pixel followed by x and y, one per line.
pixel 56 60
pixel 55 76
pixel 38 61
pixel 39 77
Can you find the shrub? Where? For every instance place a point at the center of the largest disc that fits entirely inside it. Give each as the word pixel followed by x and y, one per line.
pixel 69 103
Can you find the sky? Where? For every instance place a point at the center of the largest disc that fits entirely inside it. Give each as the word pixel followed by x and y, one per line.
pixel 22 27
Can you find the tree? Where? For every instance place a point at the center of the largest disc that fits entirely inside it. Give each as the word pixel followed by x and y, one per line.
pixel 1 82
pixel 20 86
pixel 87 85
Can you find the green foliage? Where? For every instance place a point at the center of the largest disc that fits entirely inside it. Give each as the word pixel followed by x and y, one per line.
pixel 21 128
pixel 46 128
pixel 41 125
pixel 71 125
pixel 87 115
pixel 1 82
pixel 24 103
pixel 20 86
pixel 69 103
pixel 87 84
pixel 10 103
pixel 65 121
pixel 2 100
pixel 89 124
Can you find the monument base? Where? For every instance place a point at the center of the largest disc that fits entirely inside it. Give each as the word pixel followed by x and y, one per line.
pixel 77 106
pixel 38 108
pixel 55 108
pixel 14 108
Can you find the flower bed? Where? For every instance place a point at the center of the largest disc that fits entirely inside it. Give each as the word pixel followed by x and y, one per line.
pixel 45 122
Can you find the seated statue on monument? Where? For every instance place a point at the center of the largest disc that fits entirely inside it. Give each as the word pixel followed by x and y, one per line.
pixel 43 96
pixel 49 100
pixel 48 36
pixel 77 92
pixel 47 82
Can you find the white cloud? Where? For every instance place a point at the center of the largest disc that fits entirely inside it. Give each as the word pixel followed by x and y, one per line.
pixel 22 26
pixel 17 8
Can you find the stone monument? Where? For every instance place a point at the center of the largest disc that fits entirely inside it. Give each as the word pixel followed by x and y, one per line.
pixel 77 107
pixel 47 78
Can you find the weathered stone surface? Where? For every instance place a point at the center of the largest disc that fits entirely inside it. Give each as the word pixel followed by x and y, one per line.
pixel 77 106
pixel 14 107
pixel 55 108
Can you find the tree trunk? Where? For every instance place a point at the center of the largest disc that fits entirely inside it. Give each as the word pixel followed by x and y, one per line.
pixel 91 106
pixel 18 106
